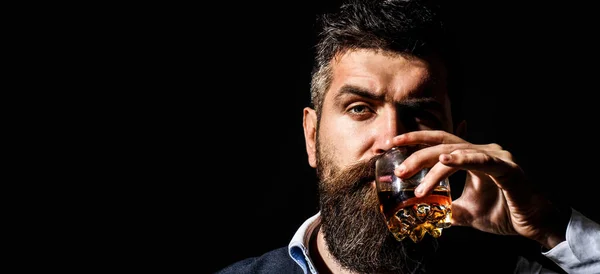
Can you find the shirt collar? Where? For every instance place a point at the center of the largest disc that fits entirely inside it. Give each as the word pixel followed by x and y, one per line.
pixel 298 246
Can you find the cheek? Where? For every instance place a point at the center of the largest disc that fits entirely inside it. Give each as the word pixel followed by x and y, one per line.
pixel 344 143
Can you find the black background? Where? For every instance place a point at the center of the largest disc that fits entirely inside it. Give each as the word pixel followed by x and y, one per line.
pixel 221 171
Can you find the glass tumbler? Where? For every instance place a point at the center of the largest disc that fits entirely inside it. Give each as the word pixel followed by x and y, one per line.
pixel 405 214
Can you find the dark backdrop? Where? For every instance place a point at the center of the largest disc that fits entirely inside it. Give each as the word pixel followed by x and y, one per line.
pixel 226 175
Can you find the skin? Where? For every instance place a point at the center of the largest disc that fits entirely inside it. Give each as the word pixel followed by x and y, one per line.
pixel 363 116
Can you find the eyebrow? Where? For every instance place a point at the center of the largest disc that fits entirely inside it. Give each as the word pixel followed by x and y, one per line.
pixel 358 91
pixel 413 102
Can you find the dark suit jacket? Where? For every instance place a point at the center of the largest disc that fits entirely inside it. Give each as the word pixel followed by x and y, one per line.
pixel 275 261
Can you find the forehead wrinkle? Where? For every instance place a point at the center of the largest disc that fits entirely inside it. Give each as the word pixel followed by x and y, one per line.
pixel 418 84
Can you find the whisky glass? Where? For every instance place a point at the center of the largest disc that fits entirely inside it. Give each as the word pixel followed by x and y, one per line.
pixel 404 213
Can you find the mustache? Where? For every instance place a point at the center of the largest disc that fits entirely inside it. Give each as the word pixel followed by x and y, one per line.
pixel 356 176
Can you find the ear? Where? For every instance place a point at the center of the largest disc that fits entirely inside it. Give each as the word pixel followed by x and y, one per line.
pixel 310 135
pixel 461 130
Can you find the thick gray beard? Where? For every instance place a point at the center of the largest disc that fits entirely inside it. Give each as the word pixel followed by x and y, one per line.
pixel 354 228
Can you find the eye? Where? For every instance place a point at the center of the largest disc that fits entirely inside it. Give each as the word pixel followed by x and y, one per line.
pixel 360 111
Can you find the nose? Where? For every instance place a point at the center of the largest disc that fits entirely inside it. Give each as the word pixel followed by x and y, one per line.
pixel 388 126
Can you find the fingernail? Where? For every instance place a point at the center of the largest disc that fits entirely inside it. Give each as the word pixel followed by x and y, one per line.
pixel 446 158
pixel 419 190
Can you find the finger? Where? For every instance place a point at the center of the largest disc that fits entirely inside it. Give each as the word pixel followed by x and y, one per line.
pixel 435 175
pixel 429 137
pixel 429 156
pixel 492 163
pixel 418 160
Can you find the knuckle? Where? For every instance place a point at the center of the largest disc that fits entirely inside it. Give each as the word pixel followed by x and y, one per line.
pixel 440 136
pixel 495 146
pixel 488 158
pixel 506 155
pixel 451 147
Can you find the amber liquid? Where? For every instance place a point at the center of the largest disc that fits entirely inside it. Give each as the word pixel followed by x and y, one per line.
pixel 407 215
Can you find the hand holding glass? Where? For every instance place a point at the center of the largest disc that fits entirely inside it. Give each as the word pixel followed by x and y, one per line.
pixel 405 214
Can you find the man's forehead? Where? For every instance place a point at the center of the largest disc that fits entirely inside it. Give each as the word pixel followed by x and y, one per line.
pixel 381 71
